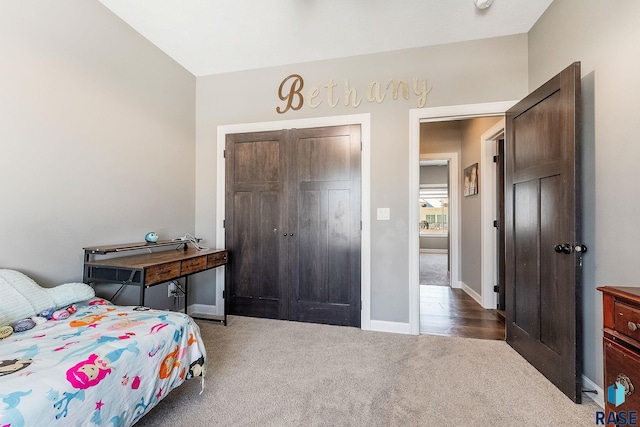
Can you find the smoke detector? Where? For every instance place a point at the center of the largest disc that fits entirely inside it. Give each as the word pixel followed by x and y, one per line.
pixel 482 4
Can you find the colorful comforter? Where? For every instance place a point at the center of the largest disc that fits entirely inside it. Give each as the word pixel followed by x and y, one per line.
pixel 104 365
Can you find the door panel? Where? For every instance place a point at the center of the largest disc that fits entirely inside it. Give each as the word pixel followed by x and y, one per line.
pixel 255 187
pixel 268 262
pixel 325 258
pixel 526 285
pixel 552 294
pixel 542 210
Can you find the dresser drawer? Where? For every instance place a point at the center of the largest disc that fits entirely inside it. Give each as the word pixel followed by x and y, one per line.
pixel 623 365
pixel 627 320
pixel 219 258
pixel 193 265
pixel 162 273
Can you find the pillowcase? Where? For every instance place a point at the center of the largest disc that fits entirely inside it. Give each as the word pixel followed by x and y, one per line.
pixel 69 293
pixel 21 297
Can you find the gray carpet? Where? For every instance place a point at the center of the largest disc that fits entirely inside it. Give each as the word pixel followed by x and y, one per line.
pixel 279 373
pixel 433 269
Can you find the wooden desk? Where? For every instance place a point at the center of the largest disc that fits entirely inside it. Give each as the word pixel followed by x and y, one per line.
pixel 149 269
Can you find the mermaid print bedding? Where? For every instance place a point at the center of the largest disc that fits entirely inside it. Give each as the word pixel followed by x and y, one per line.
pixel 104 365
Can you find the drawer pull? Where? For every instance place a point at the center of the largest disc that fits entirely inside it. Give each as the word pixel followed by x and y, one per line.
pixel 625 381
pixel 632 326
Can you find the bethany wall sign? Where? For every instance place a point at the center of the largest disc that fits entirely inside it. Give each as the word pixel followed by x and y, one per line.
pixel 294 95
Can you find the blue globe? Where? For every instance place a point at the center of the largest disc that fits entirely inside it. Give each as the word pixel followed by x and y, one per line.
pixel 151 237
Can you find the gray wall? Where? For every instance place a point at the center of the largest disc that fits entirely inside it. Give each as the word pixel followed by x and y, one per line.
pixel 434 174
pixel 97 131
pixel 604 37
pixel 434 242
pixel 461 73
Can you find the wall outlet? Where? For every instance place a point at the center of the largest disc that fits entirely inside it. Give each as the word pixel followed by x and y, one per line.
pixel 171 290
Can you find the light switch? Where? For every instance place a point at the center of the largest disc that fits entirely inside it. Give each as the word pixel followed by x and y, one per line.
pixel 384 214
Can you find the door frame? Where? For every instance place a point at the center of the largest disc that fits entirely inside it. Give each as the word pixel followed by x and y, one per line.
pixel 488 235
pixel 416 116
pixel 454 213
pixel 364 120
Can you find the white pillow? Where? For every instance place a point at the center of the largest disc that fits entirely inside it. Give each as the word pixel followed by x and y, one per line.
pixel 21 297
pixel 69 293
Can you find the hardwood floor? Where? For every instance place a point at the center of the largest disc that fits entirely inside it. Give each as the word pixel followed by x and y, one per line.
pixel 451 312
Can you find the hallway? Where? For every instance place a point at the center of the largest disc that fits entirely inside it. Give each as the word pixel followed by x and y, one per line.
pixel 451 312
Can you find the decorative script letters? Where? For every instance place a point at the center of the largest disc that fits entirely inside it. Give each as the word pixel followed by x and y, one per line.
pixel 291 92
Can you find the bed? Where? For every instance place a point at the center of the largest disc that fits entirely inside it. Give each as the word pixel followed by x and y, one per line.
pixel 102 365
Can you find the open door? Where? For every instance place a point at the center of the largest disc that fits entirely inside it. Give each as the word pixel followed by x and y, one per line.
pixel 543 236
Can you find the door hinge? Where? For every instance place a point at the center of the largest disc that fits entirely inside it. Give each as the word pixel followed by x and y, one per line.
pixel 224 223
pixel 224 294
pixel 360 225
pixel 496 159
pixel 496 288
pixel 224 154
pixel 496 224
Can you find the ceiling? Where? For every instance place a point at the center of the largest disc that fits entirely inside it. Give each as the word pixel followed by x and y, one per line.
pixel 219 36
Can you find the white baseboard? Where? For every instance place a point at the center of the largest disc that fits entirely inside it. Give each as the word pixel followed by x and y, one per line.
pixel 456 285
pixel 393 327
pixel 202 309
pixel 587 384
pixel 434 251
pixel 473 294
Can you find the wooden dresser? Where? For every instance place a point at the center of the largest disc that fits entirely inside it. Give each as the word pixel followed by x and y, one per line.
pixel 621 321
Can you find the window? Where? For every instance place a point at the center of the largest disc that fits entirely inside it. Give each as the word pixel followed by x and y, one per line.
pixel 434 209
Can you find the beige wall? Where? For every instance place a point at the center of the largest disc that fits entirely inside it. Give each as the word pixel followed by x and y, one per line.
pixel 470 209
pixel 97 131
pixel 604 37
pixel 462 73
pixel 440 137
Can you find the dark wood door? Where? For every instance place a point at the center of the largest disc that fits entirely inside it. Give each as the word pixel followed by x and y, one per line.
pixel 324 207
pixel 542 210
pixel 293 224
pixel 256 206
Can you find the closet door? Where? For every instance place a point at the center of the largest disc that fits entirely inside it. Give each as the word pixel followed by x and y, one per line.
pixel 256 165
pixel 324 217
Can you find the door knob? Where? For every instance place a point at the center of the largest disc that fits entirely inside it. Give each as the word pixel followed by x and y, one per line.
pixel 580 248
pixel 567 248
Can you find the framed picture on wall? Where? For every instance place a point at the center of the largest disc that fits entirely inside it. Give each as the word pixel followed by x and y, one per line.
pixel 471 180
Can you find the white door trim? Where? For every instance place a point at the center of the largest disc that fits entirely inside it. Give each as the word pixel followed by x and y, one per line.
pixel 416 116
pixel 364 120
pixel 488 235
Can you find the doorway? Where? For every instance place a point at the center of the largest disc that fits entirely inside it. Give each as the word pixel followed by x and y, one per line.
pixel 435 264
pixel 473 290
pixel 455 310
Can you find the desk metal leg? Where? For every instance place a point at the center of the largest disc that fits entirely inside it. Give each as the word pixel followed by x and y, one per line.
pixel 186 296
